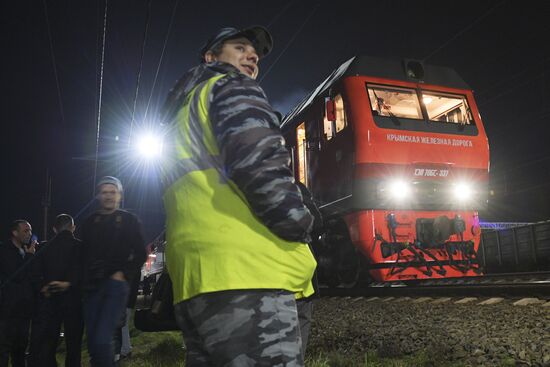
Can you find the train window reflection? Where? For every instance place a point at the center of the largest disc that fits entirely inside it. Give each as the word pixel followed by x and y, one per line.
pixel 394 102
pixel 447 108
pixel 341 121
pixel 301 147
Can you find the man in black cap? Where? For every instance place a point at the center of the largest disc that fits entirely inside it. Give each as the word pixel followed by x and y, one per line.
pixel 113 251
pixel 236 226
pixel 56 271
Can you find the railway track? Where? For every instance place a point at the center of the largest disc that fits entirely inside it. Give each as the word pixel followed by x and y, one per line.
pixel 535 285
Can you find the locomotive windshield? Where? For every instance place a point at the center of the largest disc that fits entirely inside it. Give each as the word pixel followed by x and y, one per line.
pixel 394 102
pixel 447 108
pixel 405 103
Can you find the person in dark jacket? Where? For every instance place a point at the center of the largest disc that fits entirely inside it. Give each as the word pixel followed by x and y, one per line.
pixel 123 344
pixel 236 226
pixel 16 293
pixel 56 273
pixel 113 252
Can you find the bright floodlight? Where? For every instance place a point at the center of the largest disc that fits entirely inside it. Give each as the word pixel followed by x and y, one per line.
pixel 399 189
pixel 463 191
pixel 149 146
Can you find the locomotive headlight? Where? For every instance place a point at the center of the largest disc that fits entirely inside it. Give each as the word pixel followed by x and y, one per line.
pixel 463 191
pixel 399 189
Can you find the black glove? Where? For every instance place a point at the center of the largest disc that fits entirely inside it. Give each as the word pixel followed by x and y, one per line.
pixel 310 204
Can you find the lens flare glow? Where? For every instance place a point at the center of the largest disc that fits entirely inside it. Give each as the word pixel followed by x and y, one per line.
pixel 149 146
pixel 463 191
pixel 399 189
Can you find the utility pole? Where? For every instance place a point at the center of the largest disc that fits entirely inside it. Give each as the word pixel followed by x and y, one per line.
pixel 46 203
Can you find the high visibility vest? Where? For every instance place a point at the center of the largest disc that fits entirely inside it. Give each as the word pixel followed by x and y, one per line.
pixel 215 242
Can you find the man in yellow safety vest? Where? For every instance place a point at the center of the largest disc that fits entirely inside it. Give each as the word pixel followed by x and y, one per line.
pixel 236 223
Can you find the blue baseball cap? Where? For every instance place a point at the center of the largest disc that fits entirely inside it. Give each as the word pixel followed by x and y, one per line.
pixel 259 37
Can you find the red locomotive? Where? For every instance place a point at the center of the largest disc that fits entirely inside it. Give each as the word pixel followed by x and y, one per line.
pixel 397 159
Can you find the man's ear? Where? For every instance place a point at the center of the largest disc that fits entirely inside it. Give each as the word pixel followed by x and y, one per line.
pixel 209 57
pixel 54 230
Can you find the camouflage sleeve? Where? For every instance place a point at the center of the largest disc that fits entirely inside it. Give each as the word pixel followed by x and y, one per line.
pixel 255 157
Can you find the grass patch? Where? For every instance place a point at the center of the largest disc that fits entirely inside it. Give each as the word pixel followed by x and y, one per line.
pixel 164 349
pixel 156 350
pixel 371 359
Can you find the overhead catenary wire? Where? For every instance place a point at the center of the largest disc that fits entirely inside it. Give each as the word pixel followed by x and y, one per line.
pixel 290 41
pixel 524 189
pixel 523 164
pixel 503 81
pixel 464 30
pixel 275 18
pixel 481 67
pixel 54 64
pixel 145 32
pixel 100 93
pixel 278 15
pixel 505 128
pixel 525 82
pixel 161 56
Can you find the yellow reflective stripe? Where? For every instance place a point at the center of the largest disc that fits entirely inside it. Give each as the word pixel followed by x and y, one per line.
pixel 183 138
pixel 208 134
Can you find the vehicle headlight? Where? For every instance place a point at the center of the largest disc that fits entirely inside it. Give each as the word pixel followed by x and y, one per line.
pixel 463 191
pixel 399 189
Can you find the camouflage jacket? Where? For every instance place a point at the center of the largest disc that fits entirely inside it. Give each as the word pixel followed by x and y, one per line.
pixel 252 150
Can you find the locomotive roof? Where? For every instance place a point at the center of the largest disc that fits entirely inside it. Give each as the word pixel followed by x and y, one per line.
pixel 380 68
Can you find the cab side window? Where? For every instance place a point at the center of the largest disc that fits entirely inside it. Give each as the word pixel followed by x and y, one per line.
pixel 341 120
pixel 331 128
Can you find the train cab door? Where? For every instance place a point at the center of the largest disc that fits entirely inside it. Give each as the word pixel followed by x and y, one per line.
pixel 301 154
pixel 307 149
pixel 336 156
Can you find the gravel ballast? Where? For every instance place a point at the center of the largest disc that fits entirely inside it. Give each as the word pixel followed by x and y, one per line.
pixel 477 335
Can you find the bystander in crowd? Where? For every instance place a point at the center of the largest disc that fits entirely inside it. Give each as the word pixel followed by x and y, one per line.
pixel 113 252
pixel 56 274
pixel 16 293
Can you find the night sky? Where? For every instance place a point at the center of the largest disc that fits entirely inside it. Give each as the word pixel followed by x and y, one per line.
pixel 51 59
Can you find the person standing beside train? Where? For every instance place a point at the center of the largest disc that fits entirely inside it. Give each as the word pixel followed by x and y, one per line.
pixel 236 225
